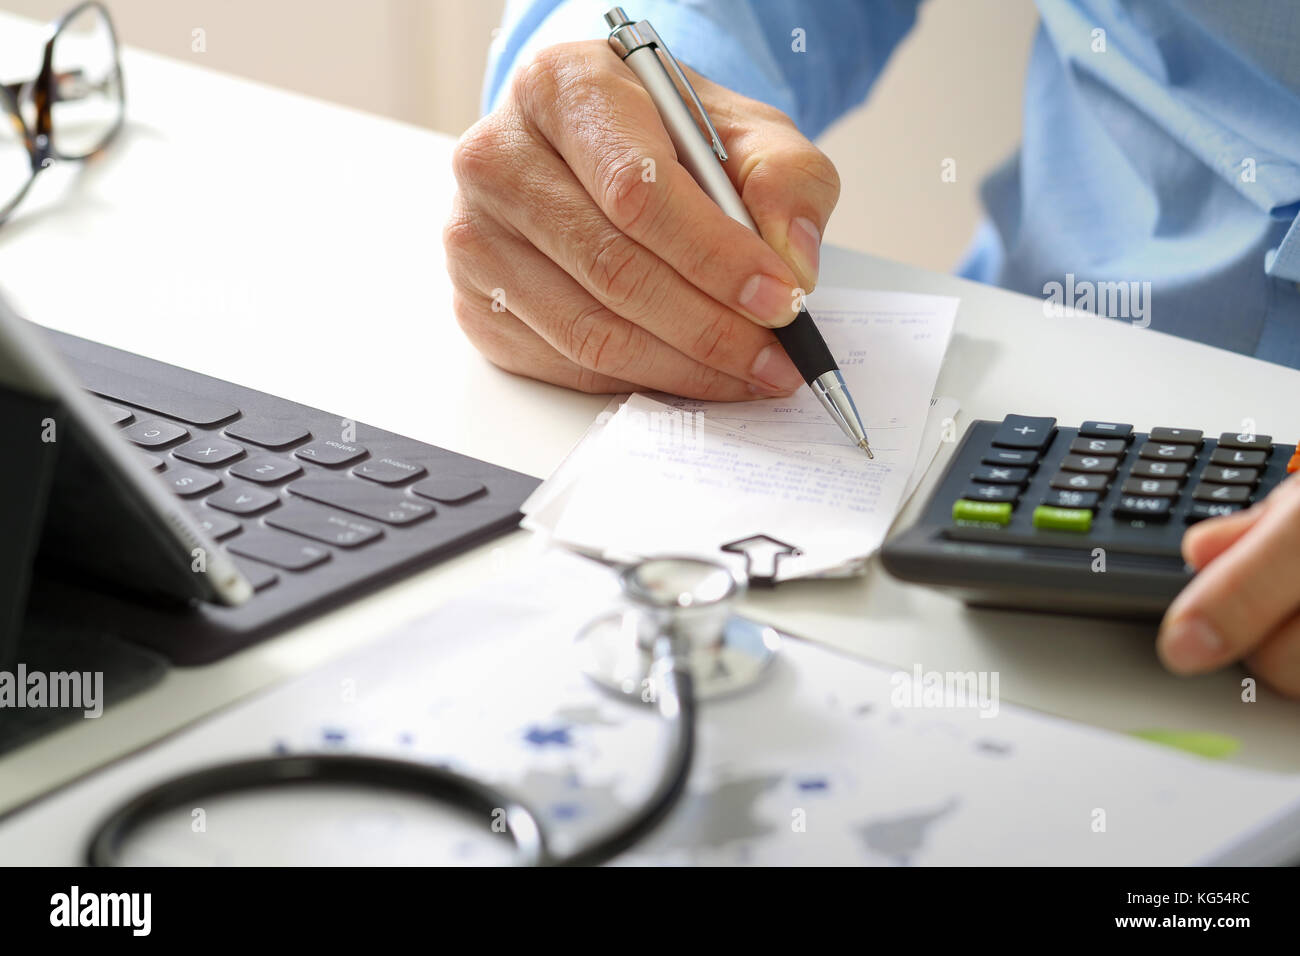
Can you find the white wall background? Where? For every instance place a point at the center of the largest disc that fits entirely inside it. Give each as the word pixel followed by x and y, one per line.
pixel 953 89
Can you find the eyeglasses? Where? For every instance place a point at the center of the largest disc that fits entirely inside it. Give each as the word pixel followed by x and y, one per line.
pixel 71 111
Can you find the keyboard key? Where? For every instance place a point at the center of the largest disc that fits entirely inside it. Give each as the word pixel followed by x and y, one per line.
pixel 1062 498
pixel 1098 446
pixel 1223 475
pixel 154 433
pixel 154 396
pixel 1246 442
pixel 1155 487
pixel 1021 431
pixel 1177 436
pixel 994 456
pixel 1200 510
pixel 266 469
pixel 1165 451
pixel 267 432
pixel 328 451
pixel 366 499
pixel 963 509
pixel 329 526
pixel 1234 494
pixel 1000 493
pixel 1106 430
pixel 991 474
pixel 258 575
pixel 1092 464
pixel 243 500
pixel 153 462
pixel 117 415
pixel 389 471
pixel 1238 457
pixel 1159 469
pixel 208 451
pixel 1079 481
pixel 1152 509
pixel 188 482
pixel 453 489
pixel 217 526
pixel 1063 519
pixel 278 549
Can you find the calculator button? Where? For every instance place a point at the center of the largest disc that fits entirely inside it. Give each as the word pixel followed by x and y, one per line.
pixel 1061 498
pixel 1135 506
pixel 217 526
pixel 1166 451
pixel 208 451
pixel 1155 487
pixel 266 469
pixel 153 433
pixel 327 451
pixel 188 482
pixel 1007 456
pixel 1159 469
pixel 1007 493
pixel 1177 436
pixel 1093 464
pixel 1239 457
pixel 258 575
pixel 1098 446
pixel 1020 431
pixel 1245 442
pixel 243 501
pixel 1236 494
pixel 1106 430
pixel 453 489
pixel 389 471
pixel 153 462
pixel 964 509
pixel 368 500
pixel 1078 481
pixel 117 415
pixel 1223 475
pixel 328 526
pixel 1200 510
pixel 997 475
pixel 1063 519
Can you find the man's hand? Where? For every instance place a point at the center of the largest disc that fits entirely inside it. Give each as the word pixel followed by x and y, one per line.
pixel 1244 604
pixel 582 253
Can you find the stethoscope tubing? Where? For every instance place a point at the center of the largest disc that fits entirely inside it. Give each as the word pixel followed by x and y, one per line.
pixel 675 699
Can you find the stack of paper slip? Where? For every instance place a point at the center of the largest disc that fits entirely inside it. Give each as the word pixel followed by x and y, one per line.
pixel 662 475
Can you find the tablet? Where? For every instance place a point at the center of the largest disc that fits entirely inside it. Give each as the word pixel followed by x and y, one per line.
pixel 107 516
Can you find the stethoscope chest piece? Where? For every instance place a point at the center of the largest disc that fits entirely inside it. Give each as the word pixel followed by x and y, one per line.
pixel 689 600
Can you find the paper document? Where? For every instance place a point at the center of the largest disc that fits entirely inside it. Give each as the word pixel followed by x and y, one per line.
pixel 665 474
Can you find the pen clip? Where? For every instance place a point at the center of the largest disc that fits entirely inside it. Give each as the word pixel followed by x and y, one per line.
pixel 626 36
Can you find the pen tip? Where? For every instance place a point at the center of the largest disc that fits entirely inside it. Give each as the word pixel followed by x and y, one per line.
pixel 867 448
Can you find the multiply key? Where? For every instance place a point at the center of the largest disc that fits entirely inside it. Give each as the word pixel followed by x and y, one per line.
pixel 995 475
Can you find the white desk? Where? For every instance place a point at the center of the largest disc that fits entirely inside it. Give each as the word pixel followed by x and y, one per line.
pixel 293 246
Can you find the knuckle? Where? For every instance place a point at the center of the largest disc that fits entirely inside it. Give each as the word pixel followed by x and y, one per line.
pixel 619 272
pixel 711 385
pixel 477 155
pixel 625 194
pixel 710 343
pixel 593 342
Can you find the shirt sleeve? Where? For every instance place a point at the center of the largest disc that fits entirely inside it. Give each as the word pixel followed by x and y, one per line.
pixel 814 61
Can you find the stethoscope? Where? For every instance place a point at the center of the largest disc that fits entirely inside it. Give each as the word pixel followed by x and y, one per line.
pixel 673 640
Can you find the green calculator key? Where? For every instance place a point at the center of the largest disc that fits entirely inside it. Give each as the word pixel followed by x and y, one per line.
pixel 990 512
pixel 1063 519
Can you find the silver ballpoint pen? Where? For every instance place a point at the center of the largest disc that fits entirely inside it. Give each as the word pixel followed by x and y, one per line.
pixel 640 47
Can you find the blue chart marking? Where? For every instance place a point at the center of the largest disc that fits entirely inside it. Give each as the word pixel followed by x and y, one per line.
pixel 814 783
pixel 280 748
pixel 405 739
pixel 541 737
pixel 333 735
pixel 566 811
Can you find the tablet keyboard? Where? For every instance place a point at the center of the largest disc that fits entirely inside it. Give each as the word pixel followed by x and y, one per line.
pixel 1089 519
pixel 314 508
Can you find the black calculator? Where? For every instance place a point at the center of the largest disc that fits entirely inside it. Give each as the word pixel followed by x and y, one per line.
pixel 1088 520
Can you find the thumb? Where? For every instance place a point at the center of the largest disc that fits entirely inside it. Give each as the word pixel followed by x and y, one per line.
pixel 787 183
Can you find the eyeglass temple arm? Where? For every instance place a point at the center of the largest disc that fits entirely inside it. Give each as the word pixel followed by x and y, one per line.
pixel 69 86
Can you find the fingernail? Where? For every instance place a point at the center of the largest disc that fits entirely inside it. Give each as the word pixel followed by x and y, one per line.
pixel 768 300
pixel 1192 645
pixel 774 369
pixel 806 244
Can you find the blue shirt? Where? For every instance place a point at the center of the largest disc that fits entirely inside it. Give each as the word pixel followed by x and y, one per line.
pixel 1161 145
